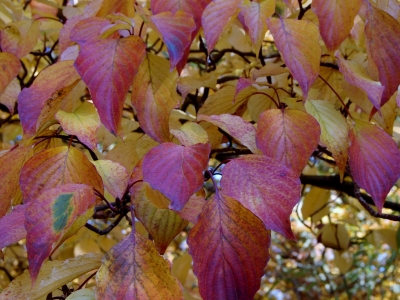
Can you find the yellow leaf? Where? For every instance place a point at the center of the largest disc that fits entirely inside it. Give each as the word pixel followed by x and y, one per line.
pixel 315 204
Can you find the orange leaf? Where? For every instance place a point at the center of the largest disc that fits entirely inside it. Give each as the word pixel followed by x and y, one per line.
pixel 9 66
pixel 10 95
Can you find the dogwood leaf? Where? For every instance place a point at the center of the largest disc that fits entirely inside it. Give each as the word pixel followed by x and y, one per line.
pixel 12 227
pixel 10 95
pixel 10 65
pixel 264 186
pixel 229 246
pixel 180 166
pixel 117 61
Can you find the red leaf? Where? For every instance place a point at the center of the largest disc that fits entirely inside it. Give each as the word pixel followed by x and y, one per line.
pixel 297 40
pixel 117 61
pixel 336 18
pixel 49 216
pixel 193 207
pixel 32 100
pixel 289 136
pixel 9 66
pixel 88 30
pixel 176 171
pixel 382 34
pixel 57 166
pixel 134 270
pixel 374 160
pixel 229 246
pixel 12 226
pixel 215 17
pixel 265 187
pixel 176 31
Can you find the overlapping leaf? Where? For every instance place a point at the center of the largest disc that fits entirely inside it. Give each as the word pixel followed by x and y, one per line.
pixel 176 31
pixel 297 41
pixel 334 130
pixel 57 166
pixel 11 164
pixel 154 96
pixel 216 16
pixel 193 207
pixel 289 136
pixel 108 72
pixel 190 133
pixel 10 95
pixel 382 34
pixel 374 160
pixel 176 171
pixel 9 65
pixel 12 227
pixel 229 246
pixel 49 216
pixel 133 269
pixel 264 186
pixel 336 18
pixel 88 30
pixel 235 126
pixel 33 99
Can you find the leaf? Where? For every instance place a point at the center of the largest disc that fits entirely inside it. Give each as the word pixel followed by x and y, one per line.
pixel 83 294
pixel 374 160
pixel 334 130
pixel 88 30
pixel 57 166
pixel 162 224
pixel 343 260
pixel 9 66
pixel 193 207
pixel 169 166
pixel 270 69
pixel 289 136
pixel 11 164
pixel 253 16
pixel 334 236
pixel 115 177
pixel 10 95
pixel 355 74
pixel 176 32
pixel 229 246
pixel 264 186
pixel 49 216
pixel 83 123
pixel 117 60
pixel 133 270
pixel 336 18
pixel 382 34
pixel 189 84
pixel 52 275
pixel 315 204
pixel 216 16
pixel 235 126
pixel 12 227
pixel 154 96
pixel 32 100
pixel 190 134
pixel 297 41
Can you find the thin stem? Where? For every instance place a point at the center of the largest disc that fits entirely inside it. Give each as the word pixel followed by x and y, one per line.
pixel 86 280
pixel 101 196
pixel 265 94
pixel 337 95
pixel 108 229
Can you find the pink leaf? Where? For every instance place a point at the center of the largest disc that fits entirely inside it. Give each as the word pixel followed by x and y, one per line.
pixel 229 246
pixel 176 171
pixel 32 100
pixel 374 160
pixel 289 136
pixel 12 226
pixel 108 67
pixel 382 34
pixel 9 67
pixel 88 30
pixel 176 31
pixel 265 187
pixel 193 207
pixel 336 18
pixel 297 40
pixel 215 17
pixel 10 95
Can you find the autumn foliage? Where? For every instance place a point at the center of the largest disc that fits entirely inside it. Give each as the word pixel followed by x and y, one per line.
pixel 193 117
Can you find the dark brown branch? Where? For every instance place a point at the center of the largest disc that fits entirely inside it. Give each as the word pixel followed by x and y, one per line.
pixel 108 229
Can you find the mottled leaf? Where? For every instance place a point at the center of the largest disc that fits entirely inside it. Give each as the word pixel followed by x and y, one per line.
pixel 297 41
pixel 334 130
pixel 336 18
pixel 57 166
pixel 9 67
pixel 374 160
pixel 52 275
pixel 83 123
pixel 264 186
pixel 32 100
pixel 117 60
pixel 190 133
pixel 289 136
pixel 382 34
pixel 154 96
pixel 176 171
pixel 12 227
pixel 229 246
pixel 235 126
pixel 216 15
pixel 49 216
pixel 115 177
pixel 133 269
